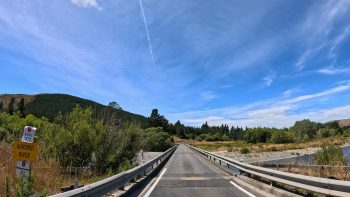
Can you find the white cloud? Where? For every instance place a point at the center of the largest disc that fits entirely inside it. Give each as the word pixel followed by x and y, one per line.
pixel 208 95
pixel 318 36
pixel 333 71
pixel 340 88
pixel 275 112
pixel 86 3
pixel 269 79
pixel 275 117
pixel 338 40
pixel 291 91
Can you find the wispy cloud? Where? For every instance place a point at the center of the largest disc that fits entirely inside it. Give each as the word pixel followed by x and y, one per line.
pixel 338 40
pixel 333 71
pixel 208 54
pixel 318 35
pixel 340 88
pixel 292 91
pixel 269 79
pixel 278 112
pixel 87 3
pixel 208 95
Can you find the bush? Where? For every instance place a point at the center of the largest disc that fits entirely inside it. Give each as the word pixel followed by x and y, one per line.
pixel 245 150
pixel 280 137
pixel 330 155
pixel 347 132
pixel 257 135
pixel 158 141
pixel 155 129
pixel 74 137
pixel 304 130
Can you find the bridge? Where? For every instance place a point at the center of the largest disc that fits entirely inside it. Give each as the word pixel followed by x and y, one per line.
pixel 188 171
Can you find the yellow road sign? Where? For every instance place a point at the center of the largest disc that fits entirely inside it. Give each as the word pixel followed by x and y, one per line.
pixel 24 151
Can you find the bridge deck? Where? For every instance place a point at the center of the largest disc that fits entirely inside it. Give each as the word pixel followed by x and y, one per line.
pixel 188 174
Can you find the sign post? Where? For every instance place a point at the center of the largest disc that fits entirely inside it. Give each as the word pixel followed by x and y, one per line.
pixel 25 151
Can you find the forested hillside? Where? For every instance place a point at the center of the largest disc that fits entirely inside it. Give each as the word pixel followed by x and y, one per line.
pixel 50 105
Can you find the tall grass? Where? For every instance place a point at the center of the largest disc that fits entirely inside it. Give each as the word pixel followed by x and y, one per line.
pixel 330 155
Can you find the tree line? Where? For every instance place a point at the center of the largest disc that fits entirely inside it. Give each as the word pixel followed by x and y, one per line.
pixel 303 130
pixel 11 107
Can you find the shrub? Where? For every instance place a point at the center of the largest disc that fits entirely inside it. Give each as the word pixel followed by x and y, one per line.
pixel 155 129
pixel 158 141
pixel 245 150
pixel 304 130
pixel 257 135
pixel 230 148
pixel 347 132
pixel 280 137
pixel 330 155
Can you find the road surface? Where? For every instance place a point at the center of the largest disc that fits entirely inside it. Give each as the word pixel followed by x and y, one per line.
pixel 189 174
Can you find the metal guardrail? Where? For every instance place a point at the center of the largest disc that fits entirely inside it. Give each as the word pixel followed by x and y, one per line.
pixel 120 180
pixel 317 185
pixel 289 165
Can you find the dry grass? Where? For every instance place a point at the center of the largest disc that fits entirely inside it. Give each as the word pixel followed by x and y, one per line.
pixel 48 176
pixel 338 172
pixel 232 146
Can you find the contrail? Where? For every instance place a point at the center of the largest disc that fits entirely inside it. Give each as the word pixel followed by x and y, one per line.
pixel 149 39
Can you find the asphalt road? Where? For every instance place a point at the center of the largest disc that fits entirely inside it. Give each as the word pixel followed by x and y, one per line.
pixel 188 174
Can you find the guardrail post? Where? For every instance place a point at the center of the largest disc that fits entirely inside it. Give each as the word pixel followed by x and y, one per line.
pixel 249 175
pixel 273 183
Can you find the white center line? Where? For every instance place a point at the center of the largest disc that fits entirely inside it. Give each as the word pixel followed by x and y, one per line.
pixel 243 190
pixel 155 183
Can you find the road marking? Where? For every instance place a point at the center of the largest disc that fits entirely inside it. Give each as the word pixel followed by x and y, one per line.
pixel 243 190
pixel 155 183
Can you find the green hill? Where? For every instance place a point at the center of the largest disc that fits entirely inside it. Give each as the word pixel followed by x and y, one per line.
pixel 50 105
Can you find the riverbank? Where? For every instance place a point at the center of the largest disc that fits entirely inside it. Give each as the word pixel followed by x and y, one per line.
pixel 296 156
pixel 269 152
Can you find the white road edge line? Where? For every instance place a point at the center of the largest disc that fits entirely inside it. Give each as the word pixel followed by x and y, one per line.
pixel 243 190
pixel 155 183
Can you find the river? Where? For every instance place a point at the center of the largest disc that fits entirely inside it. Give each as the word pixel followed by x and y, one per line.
pixel 306 159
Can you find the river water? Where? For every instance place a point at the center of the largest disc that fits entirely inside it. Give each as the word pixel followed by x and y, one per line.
pixel 306 159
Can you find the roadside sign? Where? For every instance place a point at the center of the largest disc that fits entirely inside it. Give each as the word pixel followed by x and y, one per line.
pixel 25 165
pixel 28 134
pixel 22 172
pixel 24 151
pixel 23 168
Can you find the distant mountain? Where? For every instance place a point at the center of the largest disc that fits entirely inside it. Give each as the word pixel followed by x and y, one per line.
pixel 344 123
pixel 49 105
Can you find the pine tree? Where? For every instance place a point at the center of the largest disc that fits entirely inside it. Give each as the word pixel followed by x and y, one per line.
pixel 1 106
pixel 21 108
pixel 157 120
pixel 10 109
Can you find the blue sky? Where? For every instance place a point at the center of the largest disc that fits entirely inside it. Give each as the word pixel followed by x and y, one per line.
pixel 254 63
